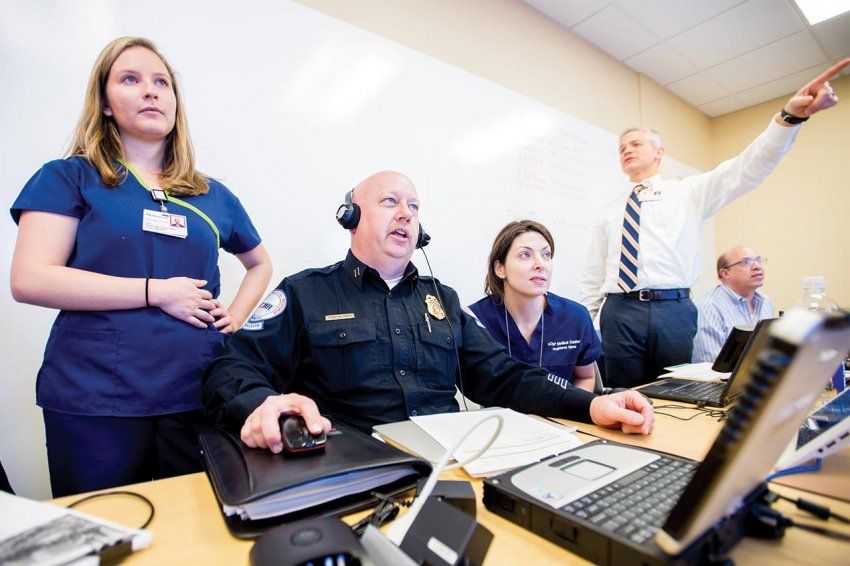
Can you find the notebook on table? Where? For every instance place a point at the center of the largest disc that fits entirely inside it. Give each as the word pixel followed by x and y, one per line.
pixel 258 489
pixel 617 504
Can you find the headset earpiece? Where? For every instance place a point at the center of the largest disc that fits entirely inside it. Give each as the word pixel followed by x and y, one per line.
pixel 348 213
pixel 422 239
pixel 348 216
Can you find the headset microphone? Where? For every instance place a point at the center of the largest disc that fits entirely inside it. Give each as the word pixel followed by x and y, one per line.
pixel 348 216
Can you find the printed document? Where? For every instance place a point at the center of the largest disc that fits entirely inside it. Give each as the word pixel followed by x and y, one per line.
pixel 523 439
pixel 701 371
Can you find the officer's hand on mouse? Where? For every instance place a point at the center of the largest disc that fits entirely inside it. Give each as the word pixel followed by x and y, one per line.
pixel 627 410
pixel 262 428
pixel 183 298
pixel 224 321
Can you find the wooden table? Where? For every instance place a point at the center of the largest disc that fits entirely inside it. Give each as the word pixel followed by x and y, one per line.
pixel 188 528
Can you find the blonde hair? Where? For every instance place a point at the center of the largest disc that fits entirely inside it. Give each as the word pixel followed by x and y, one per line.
pixel 97 138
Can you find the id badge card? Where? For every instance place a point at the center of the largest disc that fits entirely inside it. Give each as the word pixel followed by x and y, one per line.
pixel 164 223
pixel 649 194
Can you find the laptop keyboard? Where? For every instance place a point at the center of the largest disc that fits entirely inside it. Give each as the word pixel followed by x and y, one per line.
pixel 694 390
pixel 636 506
pixel 703 390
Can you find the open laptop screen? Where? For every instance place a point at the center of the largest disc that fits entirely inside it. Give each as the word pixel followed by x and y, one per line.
pixel 787 368
pixel 823 432
pixel 739 377
pixel 736 345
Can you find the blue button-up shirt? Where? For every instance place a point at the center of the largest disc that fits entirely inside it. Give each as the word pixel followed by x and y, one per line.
pixel 719 310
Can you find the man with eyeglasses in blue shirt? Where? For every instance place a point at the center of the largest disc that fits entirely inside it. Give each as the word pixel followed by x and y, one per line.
pixel 735 301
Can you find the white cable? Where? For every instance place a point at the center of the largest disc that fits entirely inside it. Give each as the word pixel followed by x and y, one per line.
pixel 398 529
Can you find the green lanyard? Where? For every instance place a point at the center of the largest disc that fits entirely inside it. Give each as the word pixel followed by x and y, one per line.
pixel 161 197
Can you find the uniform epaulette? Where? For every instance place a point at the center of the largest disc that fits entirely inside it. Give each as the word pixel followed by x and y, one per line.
pixel 315 271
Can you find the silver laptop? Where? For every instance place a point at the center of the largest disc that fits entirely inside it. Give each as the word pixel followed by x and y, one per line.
pixel 615 504
pixel 825 431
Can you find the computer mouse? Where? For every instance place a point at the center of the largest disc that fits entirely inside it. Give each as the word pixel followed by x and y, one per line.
pixel 618 389
pixel 297 438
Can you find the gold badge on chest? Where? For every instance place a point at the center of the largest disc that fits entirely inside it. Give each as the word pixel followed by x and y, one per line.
pixel 435 309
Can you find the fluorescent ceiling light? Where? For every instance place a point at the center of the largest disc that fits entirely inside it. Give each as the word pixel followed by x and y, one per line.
pixel 817 11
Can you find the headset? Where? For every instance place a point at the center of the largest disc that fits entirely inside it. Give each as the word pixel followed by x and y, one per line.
pixel 348 216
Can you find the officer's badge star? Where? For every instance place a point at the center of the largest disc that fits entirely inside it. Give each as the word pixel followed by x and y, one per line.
pixel 435 309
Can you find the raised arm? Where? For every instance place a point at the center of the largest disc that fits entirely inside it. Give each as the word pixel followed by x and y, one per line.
pixel 814 96
pixel 39 276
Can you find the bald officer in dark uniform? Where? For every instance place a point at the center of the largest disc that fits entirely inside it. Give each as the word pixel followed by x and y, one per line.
pixel 369 341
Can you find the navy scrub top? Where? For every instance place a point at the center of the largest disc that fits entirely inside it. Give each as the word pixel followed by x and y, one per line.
pixel 136 362
pixel 570 339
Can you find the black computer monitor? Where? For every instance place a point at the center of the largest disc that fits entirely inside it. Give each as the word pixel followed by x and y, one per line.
pixel 736 344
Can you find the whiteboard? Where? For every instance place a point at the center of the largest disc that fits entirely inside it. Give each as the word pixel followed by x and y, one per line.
pixel 290 108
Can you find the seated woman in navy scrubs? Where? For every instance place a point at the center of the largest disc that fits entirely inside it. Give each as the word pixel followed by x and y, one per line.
pixel 122 236
pixel 535 326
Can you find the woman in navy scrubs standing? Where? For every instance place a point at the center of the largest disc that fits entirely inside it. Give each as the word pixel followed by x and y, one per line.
pixel 535 326
pixel 123 235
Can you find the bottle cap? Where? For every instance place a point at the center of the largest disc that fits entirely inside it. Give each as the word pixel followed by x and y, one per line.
pixel 814 282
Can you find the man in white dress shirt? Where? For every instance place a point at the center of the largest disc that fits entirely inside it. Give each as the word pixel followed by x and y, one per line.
pixel 736 301
pixel 645 254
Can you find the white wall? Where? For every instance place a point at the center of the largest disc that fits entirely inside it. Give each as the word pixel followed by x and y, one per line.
pixel 290 108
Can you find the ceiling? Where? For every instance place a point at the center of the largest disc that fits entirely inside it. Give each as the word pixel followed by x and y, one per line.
pixel 718 55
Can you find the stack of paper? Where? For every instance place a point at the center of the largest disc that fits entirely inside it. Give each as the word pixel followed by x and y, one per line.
pixel 318 492
pixel 701 371
pixel 523 439
pixel 41 533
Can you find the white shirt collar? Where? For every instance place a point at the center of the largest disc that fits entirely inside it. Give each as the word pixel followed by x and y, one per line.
pixel 654 181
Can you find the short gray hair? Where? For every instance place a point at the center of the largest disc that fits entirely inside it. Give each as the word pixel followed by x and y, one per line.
pixel 653 136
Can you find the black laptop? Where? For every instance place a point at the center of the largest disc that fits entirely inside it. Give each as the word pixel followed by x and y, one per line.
pixel 618 504
pixel 712 393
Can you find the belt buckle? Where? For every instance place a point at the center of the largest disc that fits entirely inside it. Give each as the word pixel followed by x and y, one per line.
pixel 645 295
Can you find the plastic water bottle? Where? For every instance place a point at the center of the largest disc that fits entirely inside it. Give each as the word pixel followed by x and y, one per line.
pixel 815 299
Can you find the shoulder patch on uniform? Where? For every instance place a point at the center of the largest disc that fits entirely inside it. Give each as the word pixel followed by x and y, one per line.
pixel 469 311
pixel 269 308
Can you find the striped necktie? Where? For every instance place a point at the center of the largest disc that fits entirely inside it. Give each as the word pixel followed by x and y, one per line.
pixel 630 245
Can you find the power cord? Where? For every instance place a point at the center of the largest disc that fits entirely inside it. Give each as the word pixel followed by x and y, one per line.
pixel 386 511
pixel 819 511
pixel 795 470
pixel 147 502
pixel 451 328
pixel 399 529
pixel 717 414
pixel 768 523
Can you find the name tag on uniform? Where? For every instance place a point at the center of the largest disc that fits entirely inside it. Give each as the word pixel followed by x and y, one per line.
pixel 343 316
pixel 649 194
pixel 164 223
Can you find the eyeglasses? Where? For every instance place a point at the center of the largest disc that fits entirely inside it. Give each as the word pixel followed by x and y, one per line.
pixel 747 262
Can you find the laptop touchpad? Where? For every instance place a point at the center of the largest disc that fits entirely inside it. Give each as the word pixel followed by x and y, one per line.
pixel 588 470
